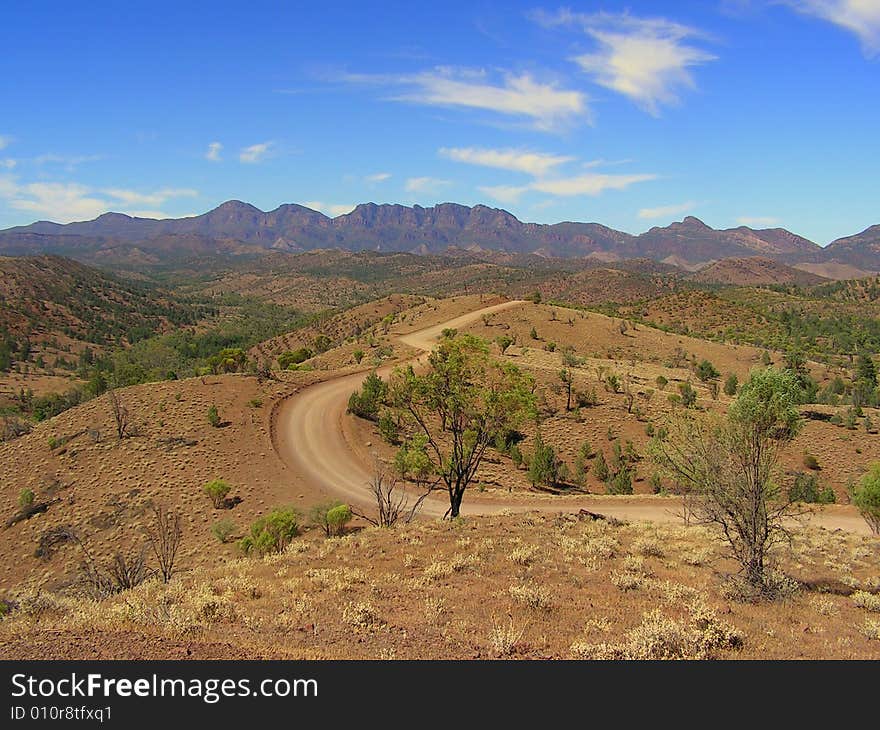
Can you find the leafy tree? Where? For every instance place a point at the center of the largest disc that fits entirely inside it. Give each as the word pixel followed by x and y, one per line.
pixel 688 395
pixel 366 402
pixel 729 465
pixel 271 533
pixel 731 384
pixel 545 465
pixel 706 371
pixel 503 343
pixel 806 488
pixel 461 405
pixel 286 360
pixel 331 517
pixel 600 467
pixel 217 489
pixel 866 497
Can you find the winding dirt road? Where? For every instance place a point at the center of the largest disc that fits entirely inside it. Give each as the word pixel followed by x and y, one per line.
pixel 311 438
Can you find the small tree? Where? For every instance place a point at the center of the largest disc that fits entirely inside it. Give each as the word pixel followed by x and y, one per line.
pixel 217 489
pixel 688 395
pixel 866 498
pixel 731 384
pixel 366 402
pixel 271 533
pixel 120 416
pixel 503 343
pixel 331 517
pixel 730 466
pixel 600 467
pixel 25 498
pixel 706 371
pixel 358 355
pixel 214 416
pixel 461 405
pixel 223 529
pixel 164 536
pixel 392 504
pixel 544 465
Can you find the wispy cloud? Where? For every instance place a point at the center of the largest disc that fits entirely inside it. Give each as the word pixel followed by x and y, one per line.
pixel 378 177
pixel 5 141
pixel 537 164
pixel 508 194
pixel 66 202
pixel 665 211
pixel 213 153
pixel 760 220
pixel 8 163
pixel 68 161
pixel 331 209
pixel 861 17
pixel 544 105
pixel 648 60
pixel 590 184
pixel 255 153
pixel 425 185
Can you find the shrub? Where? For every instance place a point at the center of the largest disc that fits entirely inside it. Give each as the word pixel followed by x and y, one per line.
pixel 600 467
pixel 214 416
pixel 866 498
pixel 545 465
pixel 388 428
pixel 706 371
pixel 217 489
pixel 586 398
pixel 366 402
pixel 731 384
pixel 661 382
pixel 533 334
pixel 25 498
pixel 331 517
pixel 806 488
pixel 289 360
pixel 256 403
pixel 271 533
pixel 358 355
pixel 688 395
pixel 810 461
pixel 223 529
pixel 621 482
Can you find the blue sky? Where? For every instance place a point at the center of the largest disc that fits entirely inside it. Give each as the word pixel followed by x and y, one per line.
pixel 753 112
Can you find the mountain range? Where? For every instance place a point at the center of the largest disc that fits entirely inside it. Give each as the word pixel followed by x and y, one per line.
pixel 240 228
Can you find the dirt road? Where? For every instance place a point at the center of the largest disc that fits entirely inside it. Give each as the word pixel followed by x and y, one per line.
pixel 314 442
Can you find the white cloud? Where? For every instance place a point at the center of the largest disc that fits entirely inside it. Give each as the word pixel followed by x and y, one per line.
pixel 666 211
pixel 66 202
pixel 330 209
pixel 760 220
pixel 861 17
pixel 132 197
pixel 537 164
pixel 255 153
pixel 425 185
pixel 645 59
pixel 378 177
pixel 213 153
pixel 69 161
pixel 545 105
pixel 5 141
pixel 8 163
pixel 589 184
pixel 504 193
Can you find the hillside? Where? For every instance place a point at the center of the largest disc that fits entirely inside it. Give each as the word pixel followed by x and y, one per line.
pixel 754 271
pixel 236 229
pixel 862 249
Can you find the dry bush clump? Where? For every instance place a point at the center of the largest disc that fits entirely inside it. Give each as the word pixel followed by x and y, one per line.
pixel 871 629
pixel 524 555
pixel 505 638
pixel 627 580
pixel 869 601
pixel 361 616
pixel 702 635
pixel 533 595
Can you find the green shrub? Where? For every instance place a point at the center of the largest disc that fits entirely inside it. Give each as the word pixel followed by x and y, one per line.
pixel 25 498
pixel 358 355
pixel 810 461
pixel 688 395
pixel 388 428
pixel 366 402
pixel 338 518
pixel 621 482
pixel 223 529
pixel 214 416
pixel 217 489
pixel 287 360
pixel 271 533
pixel 600 467
pixel 731 384
pixel 661 382
pixel 806 488
pixel 256 403
pixel 706 371
pixel 544 466
pixel 866 497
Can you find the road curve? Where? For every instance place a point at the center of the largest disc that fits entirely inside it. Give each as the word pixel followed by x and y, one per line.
pixel 312 441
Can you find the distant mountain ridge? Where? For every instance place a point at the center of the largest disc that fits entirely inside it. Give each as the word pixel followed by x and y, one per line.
pixel 238 228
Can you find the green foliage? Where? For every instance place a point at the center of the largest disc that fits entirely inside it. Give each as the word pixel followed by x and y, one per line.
pixel 533 333
pixel 535 297
pixel 25 498
pixel 358 355
pixel 706 371
pixel 223 529
pixel 412 460
pixel 461 404
pixel 389 429
pixel 367 402
pixel 271 533
pixel 331 517
pixel 731 384
pixel 600 467
pixel 503 343
pixel 661 382
pixel 620 482
pixel 544 466
pixel 214 416
pixel 866 497
pixel 217 489
pixel 688 395
pixel 765 359
pixel 810 461
pixel 228 360
pixel 322 343
pixel 516 456
pixel 806 488
pixel 289 360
